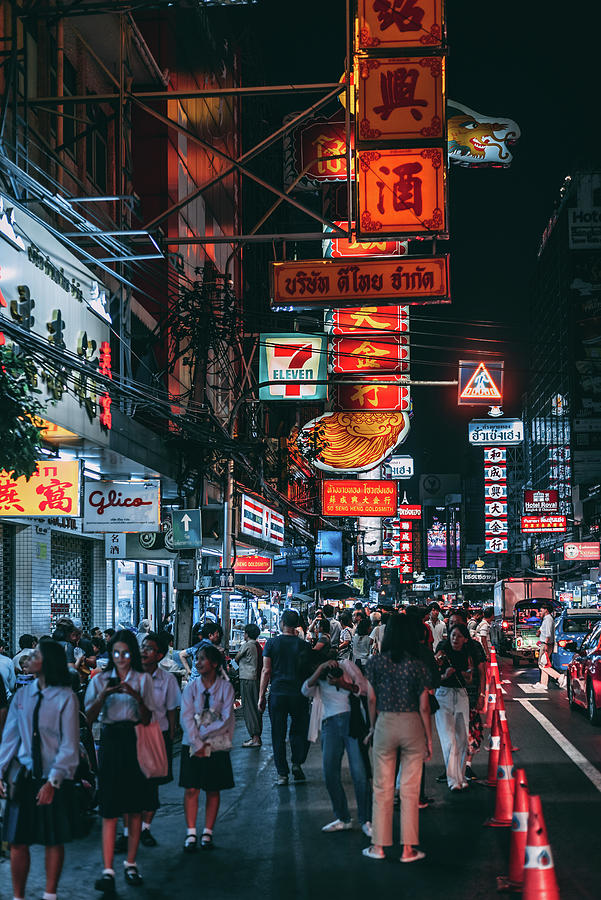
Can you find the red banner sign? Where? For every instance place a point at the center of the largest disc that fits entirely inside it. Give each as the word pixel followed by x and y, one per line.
pixel 342 248
pixel 574 550
pixel 351 497
pixel 543 524
pixel 323 283
pixel 392 395
pixel 400 24
pixel 357 320
pixel 259 565
pixel 401 99
pixel 370 353
pixel 409 511
pixel 320 149
pixel 402 192
pixel 541 501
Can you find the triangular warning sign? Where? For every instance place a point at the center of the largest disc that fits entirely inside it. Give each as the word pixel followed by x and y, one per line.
pixel 481 386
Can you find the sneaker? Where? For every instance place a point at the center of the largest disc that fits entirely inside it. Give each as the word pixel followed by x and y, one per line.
pixel 147 839
pixel 121 843
pixel 539 687
pixel 366 829
pixel 469 773
pixel 298 774
pixel 338 825
pixel 282 780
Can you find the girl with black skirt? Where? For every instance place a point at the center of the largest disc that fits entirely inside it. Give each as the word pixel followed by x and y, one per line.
pixel 122 696
pixel 38 758
pixel 207 718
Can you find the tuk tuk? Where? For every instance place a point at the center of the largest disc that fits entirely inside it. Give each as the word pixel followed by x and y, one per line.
pixel 527 619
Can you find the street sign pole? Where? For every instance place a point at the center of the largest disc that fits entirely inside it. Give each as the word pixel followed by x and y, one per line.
pixel 226 592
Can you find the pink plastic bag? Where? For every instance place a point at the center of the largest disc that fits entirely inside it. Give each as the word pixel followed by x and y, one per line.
pixel 152 754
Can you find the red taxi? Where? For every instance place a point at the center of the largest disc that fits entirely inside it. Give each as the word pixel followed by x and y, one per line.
pixel 584 674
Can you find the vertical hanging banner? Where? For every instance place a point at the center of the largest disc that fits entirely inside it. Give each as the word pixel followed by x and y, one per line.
pixel 370 353
pixel 364 319
pixel 375 393
pixel 400 24
pixel 495 499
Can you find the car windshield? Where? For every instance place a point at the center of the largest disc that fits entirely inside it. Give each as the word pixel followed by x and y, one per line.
pixel 579 624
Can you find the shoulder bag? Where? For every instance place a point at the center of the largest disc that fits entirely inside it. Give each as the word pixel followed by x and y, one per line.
pixel 152 754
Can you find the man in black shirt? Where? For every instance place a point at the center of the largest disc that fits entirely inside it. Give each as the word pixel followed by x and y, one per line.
pixel 282 666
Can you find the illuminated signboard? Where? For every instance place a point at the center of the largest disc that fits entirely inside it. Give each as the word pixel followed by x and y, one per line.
pixel 356 320
pixel 323 283
pixel 354 441
pixel 260 521
pixel 375 393
pixel 291 362
pixel 400 466
pixel 249 565
pixel 479 383
pixel 409 511
pixel 53 490
pixel 574 550
pixel 496 545
pixel 541 502
pixel 389 24
pixel 484 432
pixel 342 248
pixel 401 99
pixel 402 192
pixel 370 353
pixel 543 524
pixel 358 498
pixel 319 149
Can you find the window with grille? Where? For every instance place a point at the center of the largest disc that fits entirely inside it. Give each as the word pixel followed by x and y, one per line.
pixel 6 581
pixel 71 578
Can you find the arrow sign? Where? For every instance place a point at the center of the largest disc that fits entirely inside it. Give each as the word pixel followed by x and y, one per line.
pixel 187 529
pixel 186 522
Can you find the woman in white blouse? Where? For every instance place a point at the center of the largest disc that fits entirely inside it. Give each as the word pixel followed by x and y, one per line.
pixel 207 718
pixel 38 758
pixel 122 697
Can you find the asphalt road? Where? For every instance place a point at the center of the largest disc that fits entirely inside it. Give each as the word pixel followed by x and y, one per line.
pixel 268 842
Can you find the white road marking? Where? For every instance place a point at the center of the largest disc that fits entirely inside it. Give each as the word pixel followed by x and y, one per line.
pixel 593 774
pixel 530 688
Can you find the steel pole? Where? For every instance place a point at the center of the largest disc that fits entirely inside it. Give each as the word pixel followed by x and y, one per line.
pixel 228 509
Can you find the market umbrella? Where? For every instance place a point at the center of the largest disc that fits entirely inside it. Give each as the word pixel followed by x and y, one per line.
pixel 335 590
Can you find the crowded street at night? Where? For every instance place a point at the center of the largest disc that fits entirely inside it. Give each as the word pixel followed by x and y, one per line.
pixel 300 450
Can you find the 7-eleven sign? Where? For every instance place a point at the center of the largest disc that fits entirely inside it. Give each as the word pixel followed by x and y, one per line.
pixel 480 384
pixel 291 365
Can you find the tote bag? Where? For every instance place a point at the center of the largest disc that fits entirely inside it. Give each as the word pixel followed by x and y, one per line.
pixel 152 755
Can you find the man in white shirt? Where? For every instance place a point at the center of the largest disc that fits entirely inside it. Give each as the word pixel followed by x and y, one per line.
pixel 546 645
pixel 483 630
pixel 436 624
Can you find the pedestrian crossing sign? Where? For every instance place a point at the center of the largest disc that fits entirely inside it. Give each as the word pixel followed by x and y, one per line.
pixel 479 383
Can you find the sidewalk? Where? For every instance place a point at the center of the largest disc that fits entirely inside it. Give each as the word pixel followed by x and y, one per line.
pixel 268 844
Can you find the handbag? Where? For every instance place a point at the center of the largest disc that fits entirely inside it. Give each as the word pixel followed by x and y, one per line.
pixel 358 726
pixel 151 750
pixel 434 704
pixel 219 742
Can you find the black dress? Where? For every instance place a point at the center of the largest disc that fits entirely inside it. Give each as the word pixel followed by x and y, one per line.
pixel 122 784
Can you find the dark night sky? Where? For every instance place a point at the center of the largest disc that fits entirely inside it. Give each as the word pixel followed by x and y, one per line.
pixel 531 62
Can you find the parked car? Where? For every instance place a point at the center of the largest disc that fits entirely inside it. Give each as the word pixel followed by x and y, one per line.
pixel 573 624
pixel 584 674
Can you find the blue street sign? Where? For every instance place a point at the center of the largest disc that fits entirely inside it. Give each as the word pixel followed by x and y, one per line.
pixel 187 529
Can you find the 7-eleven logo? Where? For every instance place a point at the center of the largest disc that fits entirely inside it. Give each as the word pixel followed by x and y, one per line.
pixel 295 363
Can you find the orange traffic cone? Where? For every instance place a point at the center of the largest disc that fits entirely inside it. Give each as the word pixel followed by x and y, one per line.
pixel 484 709
pixel 540 882
pixel 519 833
pixel 491 699
pixel 494 746
pixel 494 665
pixel 503 716
pixel 505 787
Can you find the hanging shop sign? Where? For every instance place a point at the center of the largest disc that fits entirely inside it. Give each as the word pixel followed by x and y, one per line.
pixel 358 498
pixel 494 472
pixel 400 467
pixel 478 140
pixel 320 151
pixel 373 393
pixel 496 545
pixel 352 441
pixel 496 455
pixel 574 550
pixel 495 527
pixel 401 99
pixel 479 383
pixel 261 521
pixel 402 192
pixel 409 511
pixel 544 524
pixel 584 227
pixel 400 24
pixel 541 502
pixel 343 248
pixel 292 363
pixel 54 489
pixel 483 432
pixel 495 509
pixel 358 320
pixel 48 293
pixel 323 283
pixel 122 506
pixel 252 565
pixel 370 353
pixel 479 576
pixel 495 500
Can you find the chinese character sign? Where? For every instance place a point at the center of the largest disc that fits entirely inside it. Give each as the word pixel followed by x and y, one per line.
pixel 402 192
pixel 320 150
pixel 400 24
pixel 370 353
pixel 343 248
pixel 375 393
pixel 368 318
pixel 495 499
pixel 401 99
pixel 358 498
pixel 53 490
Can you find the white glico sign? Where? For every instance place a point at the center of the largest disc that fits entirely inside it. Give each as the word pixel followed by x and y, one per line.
pixel 484 433
pixel 127 506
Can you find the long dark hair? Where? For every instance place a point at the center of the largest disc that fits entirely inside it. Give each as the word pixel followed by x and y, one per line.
pixel 401 638
pixel 54 664
pixel 125 637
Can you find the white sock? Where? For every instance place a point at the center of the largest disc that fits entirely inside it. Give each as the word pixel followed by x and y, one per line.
pixel 48 896
pixel 191 831
pixel 129 865
pixel 207 831
pixel 145 826
pixel 125 832
pixel 108 872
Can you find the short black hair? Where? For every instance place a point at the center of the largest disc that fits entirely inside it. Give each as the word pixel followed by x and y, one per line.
pixel 289 618
pixel 401 637
pixel 210 628
pixel 27 641
pixel 212 654
pixel 109 631
pixel 345 618
pixel 159 640
pixel 252 630
pixel 99 643
pixel 363 627
pixel 324 626
pixel 125 637
pixel 460 613
pixel 489 611
pixel 54 664
pixel 433 606
pixel 328 610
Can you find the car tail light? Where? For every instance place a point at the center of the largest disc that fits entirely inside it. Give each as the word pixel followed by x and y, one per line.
pixel 562 643
pixel 504 624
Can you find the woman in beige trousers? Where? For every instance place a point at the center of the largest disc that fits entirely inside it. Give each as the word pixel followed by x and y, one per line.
pixel 399 711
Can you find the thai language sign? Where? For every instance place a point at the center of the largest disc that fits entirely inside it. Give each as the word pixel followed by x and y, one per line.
pixel 351 497
pixel 543 524
pixel 53 490
pixel 484 432
pixel 323 283
pixel 575 551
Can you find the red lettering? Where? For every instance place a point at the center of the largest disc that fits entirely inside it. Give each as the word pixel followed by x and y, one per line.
pixel 114 499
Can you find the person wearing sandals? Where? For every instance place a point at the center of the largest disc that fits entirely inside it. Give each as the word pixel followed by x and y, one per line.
pixel 207 719
pixel 249 658
pixel 38 758
pixel 122 696
pixel 399 712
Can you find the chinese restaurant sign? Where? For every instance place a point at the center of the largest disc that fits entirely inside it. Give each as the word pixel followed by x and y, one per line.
pixel 359 441
pixel 291 362
pixel 402 192
pixel 541 502
pixel 48 292
pixel 400 24
pixel 358 498
pixel 480 384
pixel 323 283
pixel 367 318
pixel 320 149
pixel 343 248
pixel 401 99
pixel 375 393
pixel 122 506
pixel 367 353
pixel 53 490
pixel 543 524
